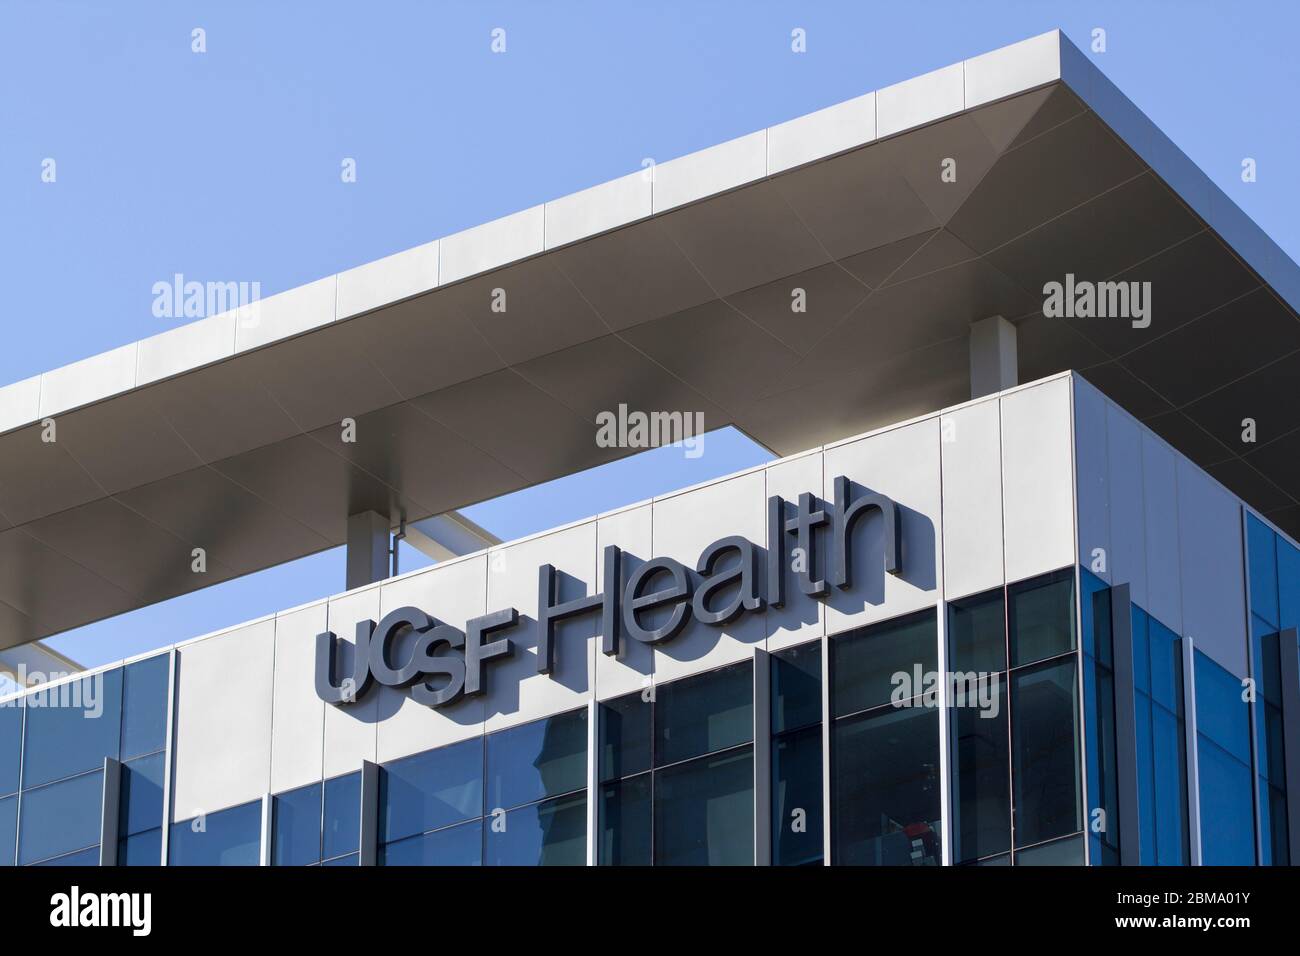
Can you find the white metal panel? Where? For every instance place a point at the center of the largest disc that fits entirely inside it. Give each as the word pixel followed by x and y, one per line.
pixel 1092 479
pixel 803 618
pixel 1127 557
pixel 452 593
pixel 902 463
pixel 1037 479
pixel 185 347
pixel 708 171
pixel 630 530
pixel 223 720
pixel 20 402
pixel 350 730
pixel 1213 568
pixel 684 525
pixel 516 692
pixel 298 721
pixel 1160 507
pixel 88 380
pixel 591 211
pixel 824 133
pixel 386 280
pixel 492 244
pixel 1013 68
pixel 287 313
pixel 971 453
pixel 920 100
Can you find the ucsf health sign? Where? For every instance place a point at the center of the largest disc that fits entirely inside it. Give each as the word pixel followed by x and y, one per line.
pixel 732 577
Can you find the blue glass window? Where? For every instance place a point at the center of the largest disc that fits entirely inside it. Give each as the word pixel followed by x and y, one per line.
pixel 1223 750
pixel 537 760
pixel 296 827
pixel 86 857
pixel 1288 584
pixel 703 714
pixel 431 790
pixel 625 736
pixel 1044 752
pixel 342 828
pixel 1261 553
pixel 460 845
pixel 11 742
pixel 704 811
pixel 141 849
pixel 60 818
pixel 625 822
pixel 8 829
pixel 227 838
pixel 864 662
pixel 796 749
pixel 144 706
pixel 550 833
pixel 1040 617
pixel 72 727
pixel 142 794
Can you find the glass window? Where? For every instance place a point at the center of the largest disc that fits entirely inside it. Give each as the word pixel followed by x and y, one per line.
pixel 1228 838
pixel 550 833
pixel 61 817
pixel 981 782
pixel 1099 719
pixel 1040 617
pixel 864 663
pixel 1066 852
pixel 703 714
pixel 72 727
pixel 461 845
pixel 1169 745
pixel 11 741
pixel 977 633
pixel 625 824
pixel 1166 666
pixel 797 687
pixel 1288 584
pixel 141 849
pixel 141 804
pixel 797 798
pixel 1261 553
pixel 342 815
pixel 1045 752
pixel 1221 712
pixel 8 829
pixel 431 790
pixel 352 859
pixel 86 857
pixel 536 760
pixel 625 734
pixel 144 706
pixel 704 811
pixel 227 838
pixel 886 796
pixel 296 827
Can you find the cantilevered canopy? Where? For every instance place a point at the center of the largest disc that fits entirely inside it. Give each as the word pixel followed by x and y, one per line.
pixel 670 290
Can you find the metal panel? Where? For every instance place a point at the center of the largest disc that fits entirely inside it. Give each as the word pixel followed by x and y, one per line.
pixel 970 450
pixel 110 806
pixel 1037 479
pixel 802 618
pixel 223 720
pixel 369 840
pixel 762 712
pixel 1193 753
pixel 298 715
pixel 633 668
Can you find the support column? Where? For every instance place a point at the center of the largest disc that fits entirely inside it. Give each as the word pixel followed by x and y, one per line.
pixel 367 548
pixel 992 356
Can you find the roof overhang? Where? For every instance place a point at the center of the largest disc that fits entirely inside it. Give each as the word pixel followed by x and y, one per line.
pixel 669 289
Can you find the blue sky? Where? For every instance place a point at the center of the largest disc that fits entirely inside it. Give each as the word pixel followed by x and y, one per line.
pixel 225 165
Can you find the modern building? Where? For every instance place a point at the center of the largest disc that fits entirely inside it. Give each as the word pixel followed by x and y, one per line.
pixel 1023 587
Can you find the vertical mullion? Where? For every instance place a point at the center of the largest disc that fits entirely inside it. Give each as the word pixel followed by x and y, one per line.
pixel 170 759
pixel 1126 757
pixel 827 778
pixel 593 775
pixel 110 812
pixel 368 841
pixel 762 762
pixel 1193 755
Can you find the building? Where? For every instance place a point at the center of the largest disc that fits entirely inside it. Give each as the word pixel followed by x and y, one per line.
pixel 1017 592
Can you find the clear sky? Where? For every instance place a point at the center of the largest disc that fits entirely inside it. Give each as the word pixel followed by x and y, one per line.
pixel 225 165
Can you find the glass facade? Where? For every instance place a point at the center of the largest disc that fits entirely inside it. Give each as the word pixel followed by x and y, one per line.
pixel 853 724
pixel 517 797
pixel 55 743
pixel 676 770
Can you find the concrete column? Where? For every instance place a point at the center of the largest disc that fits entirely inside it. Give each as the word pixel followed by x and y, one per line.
pixel 992 356
pixel 367 548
